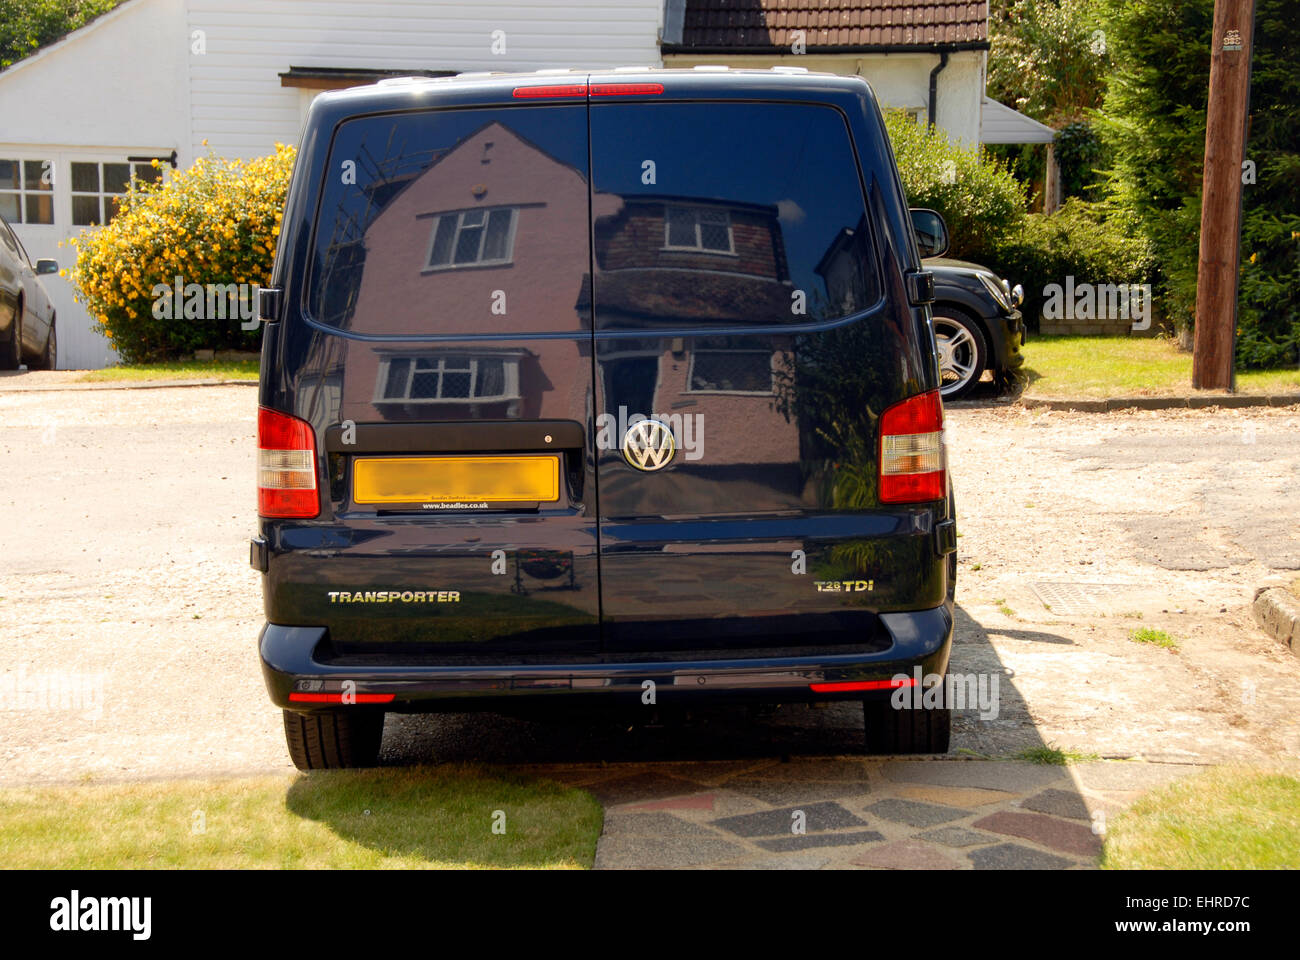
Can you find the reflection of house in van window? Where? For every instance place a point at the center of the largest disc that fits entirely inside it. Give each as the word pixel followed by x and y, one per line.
pixel 695 263
pixel 841 268
pixel 681 260
pixel 455 383
pixel 473 223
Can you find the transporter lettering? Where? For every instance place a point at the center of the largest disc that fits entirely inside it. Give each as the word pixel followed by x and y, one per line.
pixel 395 596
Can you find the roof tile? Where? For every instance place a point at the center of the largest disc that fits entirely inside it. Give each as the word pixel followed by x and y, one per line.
pixel 760 24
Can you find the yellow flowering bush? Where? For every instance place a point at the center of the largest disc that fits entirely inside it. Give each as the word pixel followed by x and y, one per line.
pixel 216 223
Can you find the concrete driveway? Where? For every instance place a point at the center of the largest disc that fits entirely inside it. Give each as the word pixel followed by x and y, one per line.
pixel 125 569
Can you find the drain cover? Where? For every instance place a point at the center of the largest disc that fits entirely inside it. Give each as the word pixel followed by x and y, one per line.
pixel 1080 599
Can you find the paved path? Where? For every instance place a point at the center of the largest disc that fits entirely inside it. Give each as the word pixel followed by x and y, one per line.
pixel 859 813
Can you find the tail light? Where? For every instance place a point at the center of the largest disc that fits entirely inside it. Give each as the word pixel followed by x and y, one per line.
pixel 912 456
pixel 286 466
pixel 626 89
pixel 551 90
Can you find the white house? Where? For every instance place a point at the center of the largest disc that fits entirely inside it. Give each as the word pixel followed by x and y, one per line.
pixel 155 78
pixel 158 78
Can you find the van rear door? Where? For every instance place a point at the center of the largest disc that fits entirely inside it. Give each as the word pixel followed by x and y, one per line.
pixel 742 301
pixel 441 347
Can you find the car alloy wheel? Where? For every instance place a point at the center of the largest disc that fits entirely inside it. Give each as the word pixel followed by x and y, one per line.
pixel 961 354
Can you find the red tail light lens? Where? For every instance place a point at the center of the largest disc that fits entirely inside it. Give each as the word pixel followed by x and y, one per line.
pixel 626 89
pixel 286 466
pixel 912 456
pixel 551 90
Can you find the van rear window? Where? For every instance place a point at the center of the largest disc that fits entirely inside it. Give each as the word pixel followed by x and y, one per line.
pixel 452 221
pixel 713 214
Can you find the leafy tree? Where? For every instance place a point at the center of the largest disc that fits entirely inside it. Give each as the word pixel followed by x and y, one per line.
pixel 1268 314
pixel 28 25
pixel 1047 58
pixel 1153 121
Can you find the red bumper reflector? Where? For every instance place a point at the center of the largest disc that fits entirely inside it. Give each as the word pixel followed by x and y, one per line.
pixel 848 686
pixel 338 697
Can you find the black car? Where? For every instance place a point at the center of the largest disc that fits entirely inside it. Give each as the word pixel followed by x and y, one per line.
pixel 26 314
pixel 605 389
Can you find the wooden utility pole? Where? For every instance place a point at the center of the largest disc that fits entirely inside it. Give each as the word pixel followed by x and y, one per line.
pixel 1225 148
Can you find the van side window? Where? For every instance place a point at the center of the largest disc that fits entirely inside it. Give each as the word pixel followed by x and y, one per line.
pixel 727 214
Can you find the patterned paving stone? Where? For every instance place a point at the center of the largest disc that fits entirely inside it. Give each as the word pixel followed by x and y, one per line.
pixel 855 770
pixel 807 860
pixel 652 825
pixel 906 855
pixel 773 823
pixel 808 841
pixel 915 814
pixel 953 796
pixel 1060 803
pixel 1051 832
pixel 783 794
pixel 701 801
pixel 987 774
pixel 640 787
pixel 1012 856
pixel 635 853
pixel 1116 775
pixel 957 837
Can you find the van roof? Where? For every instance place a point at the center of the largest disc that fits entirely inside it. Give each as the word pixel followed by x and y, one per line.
pixel 488 88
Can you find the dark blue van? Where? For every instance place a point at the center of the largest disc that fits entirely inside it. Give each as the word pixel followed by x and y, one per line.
pixel 605 388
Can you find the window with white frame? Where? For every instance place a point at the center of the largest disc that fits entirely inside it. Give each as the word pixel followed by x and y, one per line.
pixel 96 186
pixel 27 191
pixel 456 378
pixel 731 371
pixel 698 228
pixel 472 238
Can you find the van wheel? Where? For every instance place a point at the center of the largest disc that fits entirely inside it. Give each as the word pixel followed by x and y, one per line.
pixel 963 354
pixel 334 739
pixel 906 731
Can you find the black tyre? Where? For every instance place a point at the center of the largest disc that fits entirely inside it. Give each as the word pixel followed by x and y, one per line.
pixel 334 739
pixel 50 355
pixel 11 354
pixel 906 731
pixel 963 351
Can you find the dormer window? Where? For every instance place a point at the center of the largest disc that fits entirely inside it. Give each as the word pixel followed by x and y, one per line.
pixel 698 228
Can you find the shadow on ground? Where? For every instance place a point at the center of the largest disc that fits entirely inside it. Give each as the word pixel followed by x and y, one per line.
pixel 715 732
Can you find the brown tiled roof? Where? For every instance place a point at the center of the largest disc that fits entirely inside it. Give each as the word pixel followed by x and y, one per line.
pixel 828 25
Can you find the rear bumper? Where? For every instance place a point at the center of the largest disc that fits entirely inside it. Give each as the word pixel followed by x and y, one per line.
pixel 920 639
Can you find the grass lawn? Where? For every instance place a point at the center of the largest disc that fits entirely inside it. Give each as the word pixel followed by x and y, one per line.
pixel 177 370
pixel 1079 367
pixel 438 817
pixel 1228 818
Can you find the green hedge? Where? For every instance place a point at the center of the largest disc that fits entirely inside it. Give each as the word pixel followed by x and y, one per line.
pixel 214 227
pixel 985 209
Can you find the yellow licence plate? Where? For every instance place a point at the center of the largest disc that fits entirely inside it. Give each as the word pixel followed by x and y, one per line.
pixel 456 479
